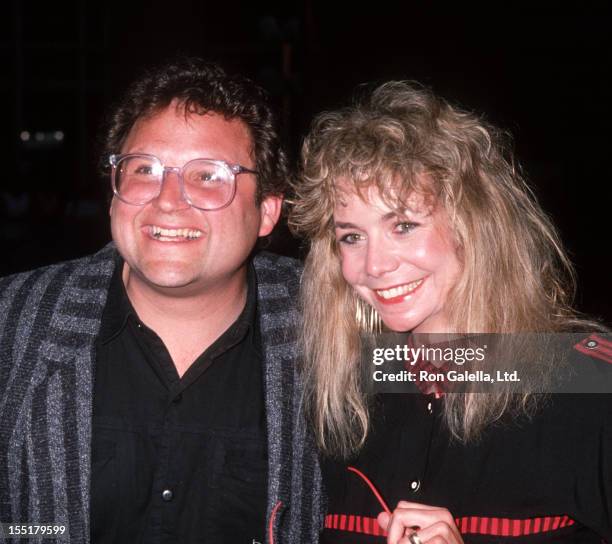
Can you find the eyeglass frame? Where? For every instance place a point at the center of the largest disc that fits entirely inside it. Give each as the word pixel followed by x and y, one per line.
pixel 233 169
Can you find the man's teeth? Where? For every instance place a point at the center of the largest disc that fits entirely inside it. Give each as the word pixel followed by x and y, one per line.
pixel 190 234
pixel 399 290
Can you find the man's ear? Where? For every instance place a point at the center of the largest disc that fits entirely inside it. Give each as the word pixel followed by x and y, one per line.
pixel 270 210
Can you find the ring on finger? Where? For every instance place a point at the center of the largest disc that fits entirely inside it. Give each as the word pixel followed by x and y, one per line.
pixel 414 539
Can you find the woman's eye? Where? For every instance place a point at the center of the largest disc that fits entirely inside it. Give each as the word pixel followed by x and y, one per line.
pixel 350 238
pixel 405 227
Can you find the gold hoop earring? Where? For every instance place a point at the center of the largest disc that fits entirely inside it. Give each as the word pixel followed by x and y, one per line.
pixel 368 319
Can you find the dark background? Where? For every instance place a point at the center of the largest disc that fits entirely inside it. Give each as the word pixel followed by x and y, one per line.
pixel 540 72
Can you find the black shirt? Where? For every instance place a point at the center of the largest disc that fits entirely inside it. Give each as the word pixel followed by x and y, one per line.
pixel 546 479
pixel 177 459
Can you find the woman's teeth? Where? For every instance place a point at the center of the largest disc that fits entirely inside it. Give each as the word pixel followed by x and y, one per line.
pixel 189 234
pixel 398 291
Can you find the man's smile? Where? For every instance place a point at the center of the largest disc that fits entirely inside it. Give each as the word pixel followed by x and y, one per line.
pixel 173 235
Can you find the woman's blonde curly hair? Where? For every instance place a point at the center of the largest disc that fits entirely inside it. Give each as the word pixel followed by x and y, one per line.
pixel 515 275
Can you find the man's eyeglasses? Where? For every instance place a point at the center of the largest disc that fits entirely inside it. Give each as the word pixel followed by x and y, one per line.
pixel 205 184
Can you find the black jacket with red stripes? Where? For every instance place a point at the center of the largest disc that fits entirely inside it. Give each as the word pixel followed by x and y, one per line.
pixel 529 480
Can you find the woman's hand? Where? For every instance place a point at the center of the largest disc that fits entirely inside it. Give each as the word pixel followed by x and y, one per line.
pixel 426 524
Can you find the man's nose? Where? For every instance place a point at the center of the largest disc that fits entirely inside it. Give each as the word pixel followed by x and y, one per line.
pixel 380 258
pixel 170 196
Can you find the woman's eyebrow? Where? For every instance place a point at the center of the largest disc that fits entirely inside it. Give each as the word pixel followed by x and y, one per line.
pixel 342 225
pixel 392 215
pixel 387 217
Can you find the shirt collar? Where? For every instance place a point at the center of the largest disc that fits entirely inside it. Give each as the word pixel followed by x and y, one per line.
pixel 118 306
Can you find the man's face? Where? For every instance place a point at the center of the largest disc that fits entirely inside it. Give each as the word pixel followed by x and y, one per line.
pixel 213 251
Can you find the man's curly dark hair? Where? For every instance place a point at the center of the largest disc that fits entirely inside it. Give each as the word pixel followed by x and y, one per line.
pixel 204 87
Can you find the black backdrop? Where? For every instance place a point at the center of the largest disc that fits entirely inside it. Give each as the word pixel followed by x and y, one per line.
pixel 542 73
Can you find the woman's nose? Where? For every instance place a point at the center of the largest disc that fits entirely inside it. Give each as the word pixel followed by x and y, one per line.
pixel 380 258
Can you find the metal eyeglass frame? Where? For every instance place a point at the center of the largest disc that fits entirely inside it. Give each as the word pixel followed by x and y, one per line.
pixel 232 169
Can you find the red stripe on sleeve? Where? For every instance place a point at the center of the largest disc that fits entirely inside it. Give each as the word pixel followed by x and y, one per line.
pixel 537 523
pixel 467 525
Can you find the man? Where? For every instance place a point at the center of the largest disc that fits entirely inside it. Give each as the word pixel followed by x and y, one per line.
pixel 148 392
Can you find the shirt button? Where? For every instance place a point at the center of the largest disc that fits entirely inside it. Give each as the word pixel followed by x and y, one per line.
pixel 167 495
pixel 430 407
pixel 415 485
pixel 591 344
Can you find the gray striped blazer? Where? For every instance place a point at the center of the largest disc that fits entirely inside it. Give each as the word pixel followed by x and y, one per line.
pixel 49 320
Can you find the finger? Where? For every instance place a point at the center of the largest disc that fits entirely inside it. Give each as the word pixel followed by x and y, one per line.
pixel 412 517
pixel 406 538
pixel 435 540
pixel 383 520
pixel 399 526
pixel 410 538
pixel 441 532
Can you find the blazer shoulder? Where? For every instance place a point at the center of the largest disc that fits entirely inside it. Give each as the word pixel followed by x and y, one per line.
pixel 100 263
pixel 273 268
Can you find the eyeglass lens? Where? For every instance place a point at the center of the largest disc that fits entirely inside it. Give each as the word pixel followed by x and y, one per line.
pixel 207 185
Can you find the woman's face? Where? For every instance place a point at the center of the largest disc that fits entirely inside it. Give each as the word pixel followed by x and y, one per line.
pixel 402 263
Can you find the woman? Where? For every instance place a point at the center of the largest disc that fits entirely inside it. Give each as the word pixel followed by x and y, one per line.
pixel 415 213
